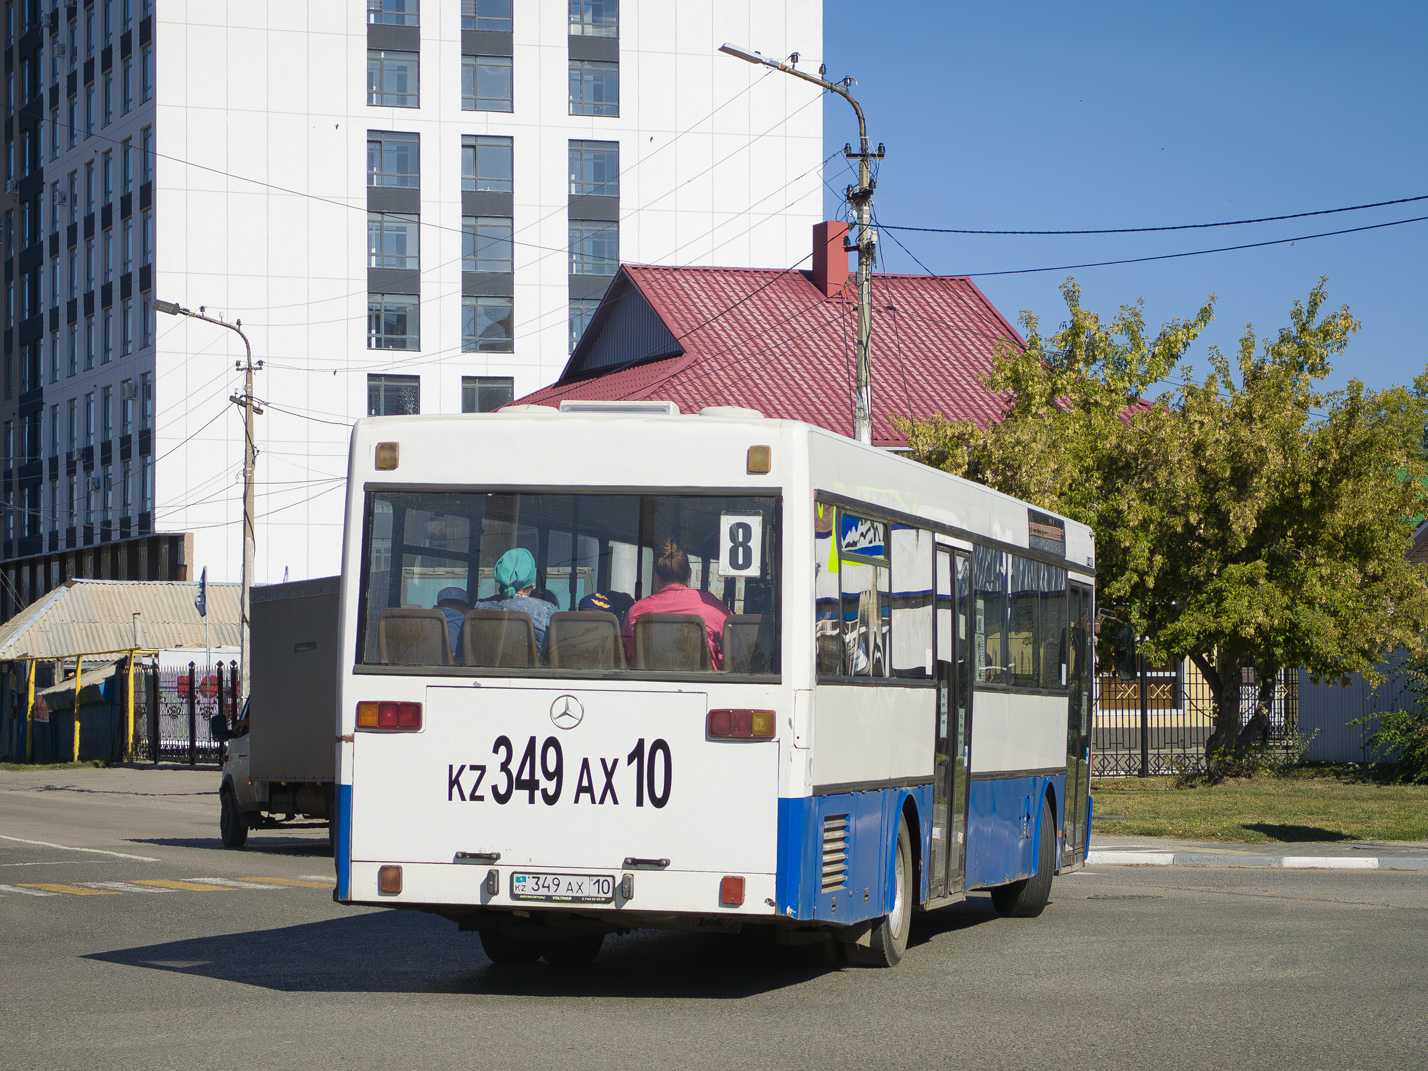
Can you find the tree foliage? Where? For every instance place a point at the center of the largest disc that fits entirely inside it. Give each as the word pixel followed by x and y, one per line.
pixel 1247 519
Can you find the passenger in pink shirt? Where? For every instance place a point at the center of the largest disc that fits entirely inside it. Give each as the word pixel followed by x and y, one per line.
pixel 673 595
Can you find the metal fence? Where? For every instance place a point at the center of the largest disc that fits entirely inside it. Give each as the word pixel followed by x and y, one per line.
pixel 179 698
pixel 1169 736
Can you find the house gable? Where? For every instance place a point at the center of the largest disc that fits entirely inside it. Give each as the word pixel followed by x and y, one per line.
pixel 625 330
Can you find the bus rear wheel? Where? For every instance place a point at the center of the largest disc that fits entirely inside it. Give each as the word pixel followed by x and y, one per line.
pixel 887 941
pixel 507 951
pixel 571 952
pixel 1027 898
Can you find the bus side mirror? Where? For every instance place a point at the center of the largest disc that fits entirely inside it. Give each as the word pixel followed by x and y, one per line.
pixel 1125 654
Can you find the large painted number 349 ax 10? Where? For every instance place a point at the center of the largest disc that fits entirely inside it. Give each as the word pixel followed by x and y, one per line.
pixel 647 775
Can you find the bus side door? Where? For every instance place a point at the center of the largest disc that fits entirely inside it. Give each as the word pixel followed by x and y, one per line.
pixel 952 745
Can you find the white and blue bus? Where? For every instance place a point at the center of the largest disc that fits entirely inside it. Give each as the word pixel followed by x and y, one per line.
pixel 863 689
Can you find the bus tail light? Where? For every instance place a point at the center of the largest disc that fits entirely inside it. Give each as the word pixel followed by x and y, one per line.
pixel 731 891
pixel 389 715
pixel 389 879
pixel 740 725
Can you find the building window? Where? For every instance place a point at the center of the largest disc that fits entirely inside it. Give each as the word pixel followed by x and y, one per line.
pixel 594 88
pixel 392 12
pixel 108 98
pixel 126 407
pixel 492 15
pixel 393 159
pixel 594 247
pixel 581 310
pixel 486 325
pixel 392 240
pixel 392 322
pixel 486 394
pixel 146 73
pixel 126 500
pixel 73 350
pixel 486 243
pixel 89 419
pixel 73 138
pixel 126 164
pixel 146 485
pixel 146 398
pixel 106 413
pixel 89 110
pixel 108 247
pixel 88 343
pixel 126 328
pixel 595 168
pixel 392 79
pixel 146 154
pixel 147 239
pixel 393 395
pixel 127 93
pixel 486 164
pixel 107 353
pixel 486 83
pixel 594 18
pixel 126 246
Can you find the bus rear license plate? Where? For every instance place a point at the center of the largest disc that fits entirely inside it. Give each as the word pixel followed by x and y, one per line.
pixel 564 888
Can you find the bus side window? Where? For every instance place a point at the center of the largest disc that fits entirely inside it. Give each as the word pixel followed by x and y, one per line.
pixel 990 610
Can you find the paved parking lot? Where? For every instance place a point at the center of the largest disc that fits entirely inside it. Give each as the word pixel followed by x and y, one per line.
pixel 132 939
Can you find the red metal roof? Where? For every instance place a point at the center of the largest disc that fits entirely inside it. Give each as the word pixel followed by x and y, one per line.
pixel 771 340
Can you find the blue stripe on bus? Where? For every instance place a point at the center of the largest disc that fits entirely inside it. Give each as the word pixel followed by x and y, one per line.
pixel 866 891
pixel 1004 824
pixel 344 841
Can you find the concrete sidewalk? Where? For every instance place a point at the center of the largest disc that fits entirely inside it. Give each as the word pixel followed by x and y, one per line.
pixel 1302 855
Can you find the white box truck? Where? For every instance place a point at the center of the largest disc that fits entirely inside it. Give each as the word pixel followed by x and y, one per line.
pixel 280 761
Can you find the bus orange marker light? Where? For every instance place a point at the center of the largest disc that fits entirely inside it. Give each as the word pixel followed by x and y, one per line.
pixel 760 460
pixel 387 454
pixel 389 880
pixel 740 725
pixel 388 715
pixel 731 891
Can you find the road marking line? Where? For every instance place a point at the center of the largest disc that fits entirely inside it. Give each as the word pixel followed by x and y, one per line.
pixel 24 892
pixel 325 878
pixel 295 883
pixel 74 890
pixel 231 884
pixel 67 848
pixel 191 886
pixel 121 886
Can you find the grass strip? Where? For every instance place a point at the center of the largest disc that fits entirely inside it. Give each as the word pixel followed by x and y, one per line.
pixel 1303 804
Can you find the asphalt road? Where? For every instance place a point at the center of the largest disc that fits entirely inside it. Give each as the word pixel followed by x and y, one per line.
pixel 193 957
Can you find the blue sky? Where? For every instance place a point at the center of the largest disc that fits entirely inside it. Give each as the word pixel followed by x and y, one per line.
pixel 1038 115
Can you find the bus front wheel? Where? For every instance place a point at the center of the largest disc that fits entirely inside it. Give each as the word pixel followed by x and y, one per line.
pixel 887 940
pixel 1027 898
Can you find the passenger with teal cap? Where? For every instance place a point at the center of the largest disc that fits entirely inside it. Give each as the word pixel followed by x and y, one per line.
pixel 515 580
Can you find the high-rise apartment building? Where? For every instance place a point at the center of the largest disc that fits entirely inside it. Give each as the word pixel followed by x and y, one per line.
pixel 412 206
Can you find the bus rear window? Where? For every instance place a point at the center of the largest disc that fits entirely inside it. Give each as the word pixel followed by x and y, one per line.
pixel 553 584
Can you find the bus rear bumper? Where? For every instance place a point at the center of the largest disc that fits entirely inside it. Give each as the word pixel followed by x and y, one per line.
pixel 439 886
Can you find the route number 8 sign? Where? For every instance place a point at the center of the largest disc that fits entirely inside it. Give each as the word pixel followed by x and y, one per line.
pixel 741 544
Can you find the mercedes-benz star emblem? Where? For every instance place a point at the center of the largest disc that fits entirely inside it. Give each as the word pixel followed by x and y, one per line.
pixel 566 712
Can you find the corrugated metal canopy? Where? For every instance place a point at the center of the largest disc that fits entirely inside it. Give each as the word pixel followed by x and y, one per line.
pixel 98 615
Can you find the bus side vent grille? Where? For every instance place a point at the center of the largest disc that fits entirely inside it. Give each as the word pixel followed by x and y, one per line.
pixel 835 851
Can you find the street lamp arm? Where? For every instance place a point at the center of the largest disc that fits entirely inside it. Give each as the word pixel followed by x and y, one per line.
pixel 789 68
pixel 173 308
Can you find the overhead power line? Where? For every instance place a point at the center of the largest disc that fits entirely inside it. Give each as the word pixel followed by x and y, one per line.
pixel 1172 227
pixel 1194 252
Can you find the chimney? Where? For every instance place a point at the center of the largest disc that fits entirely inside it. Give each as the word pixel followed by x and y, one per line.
pixel 830 256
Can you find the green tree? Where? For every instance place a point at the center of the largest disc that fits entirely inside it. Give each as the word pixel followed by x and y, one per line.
pixel 1250 519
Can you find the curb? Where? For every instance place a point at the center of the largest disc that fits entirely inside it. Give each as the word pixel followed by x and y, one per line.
pixel 1112 857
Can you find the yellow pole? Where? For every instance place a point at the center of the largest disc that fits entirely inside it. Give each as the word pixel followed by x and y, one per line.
pixel 30 716
pixel 78 668
pixel 129 705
